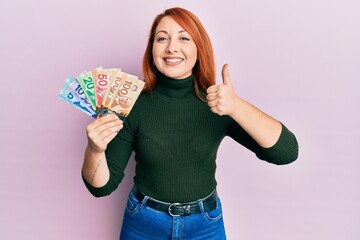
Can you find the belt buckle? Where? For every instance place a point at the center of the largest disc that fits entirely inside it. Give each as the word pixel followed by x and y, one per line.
pixel 169 209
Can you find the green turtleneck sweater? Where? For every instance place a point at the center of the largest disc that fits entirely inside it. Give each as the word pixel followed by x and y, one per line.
pixel 175 138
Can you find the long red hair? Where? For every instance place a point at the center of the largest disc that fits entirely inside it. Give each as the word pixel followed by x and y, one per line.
pixel 204 69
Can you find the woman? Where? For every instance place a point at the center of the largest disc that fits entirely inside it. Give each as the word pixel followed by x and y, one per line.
pixel 175 129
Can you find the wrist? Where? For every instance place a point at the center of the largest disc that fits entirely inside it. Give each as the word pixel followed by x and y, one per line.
pixel 93 151
pixel 237 107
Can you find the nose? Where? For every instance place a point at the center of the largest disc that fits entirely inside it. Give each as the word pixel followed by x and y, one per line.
pixel 172 46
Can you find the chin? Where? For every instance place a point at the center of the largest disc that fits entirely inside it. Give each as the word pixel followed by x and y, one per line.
pixel 176 75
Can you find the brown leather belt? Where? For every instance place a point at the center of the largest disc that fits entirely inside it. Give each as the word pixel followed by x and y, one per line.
pixel 179 209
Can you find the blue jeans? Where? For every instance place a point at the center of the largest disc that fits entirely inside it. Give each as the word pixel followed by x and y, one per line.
pixel 141 222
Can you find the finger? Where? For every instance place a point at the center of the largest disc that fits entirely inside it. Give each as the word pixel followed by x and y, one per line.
pixel 101 120
pixel 98 133
pixel 108 118
pixel 108 138
pixel 108 133
pixel 108 121
pixel 108 126
pixel 213 103
pixel 225 75
pixel 214 110
pixel 217 111
pixel 212 89
pixel 98 138
pixel 211 96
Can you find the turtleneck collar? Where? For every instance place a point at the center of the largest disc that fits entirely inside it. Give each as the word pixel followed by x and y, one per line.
pixel 175 88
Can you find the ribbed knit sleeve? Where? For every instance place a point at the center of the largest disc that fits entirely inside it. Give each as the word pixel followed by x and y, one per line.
pixel 284 151
pixel 117 156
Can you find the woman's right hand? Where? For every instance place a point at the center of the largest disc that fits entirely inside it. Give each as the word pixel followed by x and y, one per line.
pixel 101 131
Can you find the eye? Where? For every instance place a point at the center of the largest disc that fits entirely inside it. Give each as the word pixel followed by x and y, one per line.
pixel 185 39
pixel 162 39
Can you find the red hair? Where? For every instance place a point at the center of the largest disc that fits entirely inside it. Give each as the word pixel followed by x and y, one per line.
pixel 204 69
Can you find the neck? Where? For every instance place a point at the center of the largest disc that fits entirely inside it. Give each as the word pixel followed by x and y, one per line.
pixel 175 88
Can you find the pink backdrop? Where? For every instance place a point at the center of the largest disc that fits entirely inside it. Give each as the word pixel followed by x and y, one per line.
pixel 296 60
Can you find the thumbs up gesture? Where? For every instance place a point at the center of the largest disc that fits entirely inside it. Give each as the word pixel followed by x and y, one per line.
pixel 222 97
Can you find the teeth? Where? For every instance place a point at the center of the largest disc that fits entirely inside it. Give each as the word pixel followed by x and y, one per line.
pixel 173 60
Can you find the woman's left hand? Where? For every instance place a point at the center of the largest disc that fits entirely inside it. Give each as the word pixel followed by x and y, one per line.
pixel 222 98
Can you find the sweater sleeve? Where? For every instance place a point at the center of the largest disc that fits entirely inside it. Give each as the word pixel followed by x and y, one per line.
pixel 284 151
pixel 117 156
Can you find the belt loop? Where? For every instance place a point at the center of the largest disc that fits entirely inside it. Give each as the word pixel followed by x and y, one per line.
pixel 143 203
pixel 201 206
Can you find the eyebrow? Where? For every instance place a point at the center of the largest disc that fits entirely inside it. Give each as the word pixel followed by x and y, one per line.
pixel 163 31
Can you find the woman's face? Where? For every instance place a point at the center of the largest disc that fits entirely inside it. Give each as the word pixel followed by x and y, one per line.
pixel 174 50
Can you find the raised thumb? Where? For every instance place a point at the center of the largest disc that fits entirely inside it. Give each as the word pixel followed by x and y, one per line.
pixel 225 75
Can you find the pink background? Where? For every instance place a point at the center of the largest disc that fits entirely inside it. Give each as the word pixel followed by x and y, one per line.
pixel 296 60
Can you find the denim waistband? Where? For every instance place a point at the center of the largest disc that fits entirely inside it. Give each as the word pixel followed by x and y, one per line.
pixel 178 209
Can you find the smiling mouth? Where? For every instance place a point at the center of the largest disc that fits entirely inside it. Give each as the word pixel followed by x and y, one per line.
pixel 173 60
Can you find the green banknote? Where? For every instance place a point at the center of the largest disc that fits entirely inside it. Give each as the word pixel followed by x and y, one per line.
pixel 87 84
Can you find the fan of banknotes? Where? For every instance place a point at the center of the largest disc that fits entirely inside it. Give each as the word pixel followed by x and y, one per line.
pixel 101 91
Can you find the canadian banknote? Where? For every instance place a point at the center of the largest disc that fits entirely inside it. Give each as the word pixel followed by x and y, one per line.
pixel 102 91
pixel 73 94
